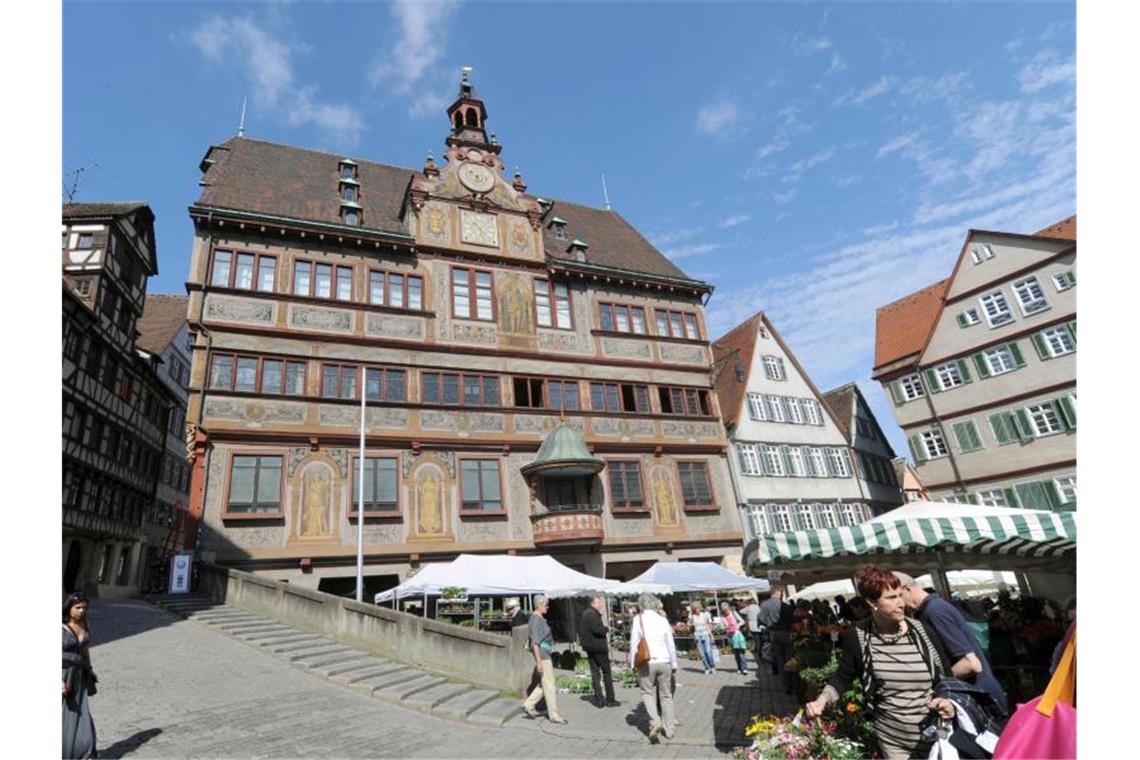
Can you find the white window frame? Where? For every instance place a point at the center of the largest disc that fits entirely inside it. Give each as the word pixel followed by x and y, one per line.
pixel 1065 487
pixel 912 387
pixel 811 411
pixel 838 458
pixel 848 514
pixel 797 415
pixel 971 317
pixel 1044 419
pixel 775 409
pixel 819 461
pixel 1002 353
pixel 1030 295
pixel 756 408
pixel 796 460
pixel 774 368
pixel 773 455
pixel 825 515
pixel 949 375
pixel 1062 281
pixel 958 498
pixel 1002 313
pixel 779 516
pixel 934 444
pixel 1064 338
pixel 754 466
pixel 758 519
pixel 992 498
pixel 805 517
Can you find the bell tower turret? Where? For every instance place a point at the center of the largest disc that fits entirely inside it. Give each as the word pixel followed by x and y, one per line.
pixel 468 118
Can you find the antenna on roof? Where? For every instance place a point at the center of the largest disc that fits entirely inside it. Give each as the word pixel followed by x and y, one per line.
pixel 605 192
pixel 241 124
pixel 74 185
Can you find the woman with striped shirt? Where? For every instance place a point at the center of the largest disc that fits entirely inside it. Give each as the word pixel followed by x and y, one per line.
pixel 896 661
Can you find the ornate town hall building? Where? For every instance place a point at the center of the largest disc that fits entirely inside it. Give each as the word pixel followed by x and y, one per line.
pixel 481 322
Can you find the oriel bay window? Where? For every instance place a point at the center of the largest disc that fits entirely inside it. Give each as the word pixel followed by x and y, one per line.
pixel 456 389
pixel 471 294
pixel 380 486
pixel 690 401
pixel 619 397
pixel 552 304
pixel 255 485
pixel 480 486
pixel 246 271
pixel 696 488
pixel 625 485
pixel 400 291
pixel 617 317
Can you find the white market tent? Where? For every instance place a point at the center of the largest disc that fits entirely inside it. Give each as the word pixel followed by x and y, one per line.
pixel 495 575
pixel 826 590
pixel 699 576
pixel 968 582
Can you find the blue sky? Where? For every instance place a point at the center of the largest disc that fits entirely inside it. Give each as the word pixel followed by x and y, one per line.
pixel 815 161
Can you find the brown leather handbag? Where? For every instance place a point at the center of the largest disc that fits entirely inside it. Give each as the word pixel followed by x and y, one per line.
pixel 642 655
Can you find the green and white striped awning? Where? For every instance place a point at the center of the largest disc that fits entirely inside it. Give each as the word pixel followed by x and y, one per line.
pixel 966 536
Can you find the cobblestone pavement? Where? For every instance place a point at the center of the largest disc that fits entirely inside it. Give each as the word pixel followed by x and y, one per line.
pixel 173 688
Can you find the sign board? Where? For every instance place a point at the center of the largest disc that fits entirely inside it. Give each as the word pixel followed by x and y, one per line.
pixel 179 574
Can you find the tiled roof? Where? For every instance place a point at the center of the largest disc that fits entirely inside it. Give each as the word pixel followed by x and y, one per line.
pixel 901 327
pixel 297 183
pixel 842 403
pixel 737 345
pixel 87 210
pixel 162 318
pixel 1066 229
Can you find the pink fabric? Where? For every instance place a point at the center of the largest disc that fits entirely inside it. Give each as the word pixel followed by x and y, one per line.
pixel 730 622
pixel 1029 734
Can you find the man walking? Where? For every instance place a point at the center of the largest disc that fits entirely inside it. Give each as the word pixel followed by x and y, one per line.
pixel 592 634
pixel 968 660
pixel 752 613
pixel 778 617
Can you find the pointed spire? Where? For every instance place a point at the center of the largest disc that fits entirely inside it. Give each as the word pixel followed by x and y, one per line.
pixel 241 124
pixel 468 118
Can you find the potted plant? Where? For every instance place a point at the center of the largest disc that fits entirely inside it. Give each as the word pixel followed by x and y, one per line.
pixel 453 594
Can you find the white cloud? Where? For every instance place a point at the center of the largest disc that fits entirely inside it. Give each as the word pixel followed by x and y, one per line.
pixel 734 220
pixel 949 88
pixel 675 236
pixel 718 119
pixel 867 94
pixel 266 62
pixel 696 249
pixel 1045 70
pixel 429 104
pixel 775 146
pixel 785 197
pixel 423 27
pixel 847 180
pixel 797 170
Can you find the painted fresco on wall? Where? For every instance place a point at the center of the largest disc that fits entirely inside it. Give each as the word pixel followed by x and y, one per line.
pixel 516 305
pixel 663 497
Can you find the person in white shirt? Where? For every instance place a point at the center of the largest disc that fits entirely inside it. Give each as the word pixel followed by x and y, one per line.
pixel 656 676
pixel 703 637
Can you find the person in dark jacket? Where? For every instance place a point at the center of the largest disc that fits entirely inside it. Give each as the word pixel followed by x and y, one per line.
pixel 592 634
pixel 514 609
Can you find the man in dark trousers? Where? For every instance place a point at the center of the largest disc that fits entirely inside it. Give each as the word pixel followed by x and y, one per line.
pixel 592 634
pixel 778 617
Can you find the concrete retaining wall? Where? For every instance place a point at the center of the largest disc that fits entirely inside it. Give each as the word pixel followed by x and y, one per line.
pixel 486 659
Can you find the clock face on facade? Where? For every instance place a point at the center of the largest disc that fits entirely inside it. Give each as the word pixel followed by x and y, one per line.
pixel 479 228
pixel 476 177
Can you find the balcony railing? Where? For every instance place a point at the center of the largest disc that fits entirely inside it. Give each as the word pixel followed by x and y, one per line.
pixel 569 525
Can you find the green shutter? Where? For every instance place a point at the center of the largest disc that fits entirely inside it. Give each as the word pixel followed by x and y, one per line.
pixel 1031 495
pixel 1067 411
pixel 975 436
pixel 809 465
pixel 1072 329
pixel 916 449
pixel 1042 348
pixel 896 392
pixel 1015 351
pixel 964 370
pixel 962 320
pixel 1072 276
pixel 1010 497
pixel 980 363
pixel 1002 424
pixel 932 384
pixel 787 461
pixel 1052 495
pixel 967 435
pixel 1022 425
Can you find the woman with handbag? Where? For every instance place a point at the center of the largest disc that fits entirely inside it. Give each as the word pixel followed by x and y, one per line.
pixel 653 654
pixel 732 625
pixel 78 680
pixel 898 665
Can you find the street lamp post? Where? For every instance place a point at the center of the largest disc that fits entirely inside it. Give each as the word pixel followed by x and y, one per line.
pixel 360 494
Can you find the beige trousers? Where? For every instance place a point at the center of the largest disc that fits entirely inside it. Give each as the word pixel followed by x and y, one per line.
pixel 545 689
pixel 656 680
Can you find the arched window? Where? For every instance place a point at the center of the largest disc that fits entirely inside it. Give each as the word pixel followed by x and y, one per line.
pixel 459 120
pixel 472 118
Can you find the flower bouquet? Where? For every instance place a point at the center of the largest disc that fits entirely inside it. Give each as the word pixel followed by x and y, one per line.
pixel 792 739
pixel 682 629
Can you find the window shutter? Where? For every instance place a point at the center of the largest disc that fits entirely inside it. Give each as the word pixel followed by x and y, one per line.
pixel 787 461
pixel 967 434
pixel 1015 352
pixel 787 404
pixel 1072 276
pixel 932 383
pixel 765 465
pixel 962 368
pixel 742 458
pixel 1052 495
pixel 1067 412
pixel 980 363
pixel 1040 345
pixel 1022 426
pixel 917 450
pixel 1010 497
pixel 975 436
pixel 1002 424
pixel 1072 329
pixel 783 372
pixel 896 392
pixel 962 320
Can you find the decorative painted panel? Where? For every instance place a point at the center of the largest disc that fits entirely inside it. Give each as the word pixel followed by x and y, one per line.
pixel 635 349
pixel 229 309
pixel 557 342
pixel 691 431
pixel 383 325
pixel 315 318
pixel 463 423
pixel 682 354
pixel 474 334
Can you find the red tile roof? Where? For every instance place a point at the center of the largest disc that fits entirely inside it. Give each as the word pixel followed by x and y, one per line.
pixel 901 327
pixel 736 346
pixel 1066 229
pixel 162 318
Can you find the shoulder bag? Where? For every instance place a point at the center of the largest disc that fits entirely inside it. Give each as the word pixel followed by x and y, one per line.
pixel 641 657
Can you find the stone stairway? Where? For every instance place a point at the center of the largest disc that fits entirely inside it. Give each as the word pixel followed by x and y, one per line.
pixel 323 656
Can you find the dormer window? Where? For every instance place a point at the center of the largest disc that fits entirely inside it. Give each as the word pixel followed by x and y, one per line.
pixel 347 169
pixel 84 240
pixel 559 228
pixel 578 249
pixel 348 192
pixel 350 213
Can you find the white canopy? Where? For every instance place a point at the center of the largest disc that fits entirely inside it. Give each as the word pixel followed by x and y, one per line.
pixel 699 576
pixel 969 582
pixel 494 575
pixel 826 590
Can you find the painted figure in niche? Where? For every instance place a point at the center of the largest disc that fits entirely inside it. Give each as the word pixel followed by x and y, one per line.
pixel 431 512
pixel 315 503
pixel 666 510
pixel 515 306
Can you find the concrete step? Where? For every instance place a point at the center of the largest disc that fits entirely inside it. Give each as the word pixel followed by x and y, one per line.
pixel 221 618
pixel 387 678
pixel 398 692
pixel 496 712
pixel 330 660
pixel 463 705
pixel 184 607
pixel 268 641
pixel 357 662
pixel 246 625
pixel 349 677
pixel 301 641
pixel 300 655
pixel 259 634
pixel 427 700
